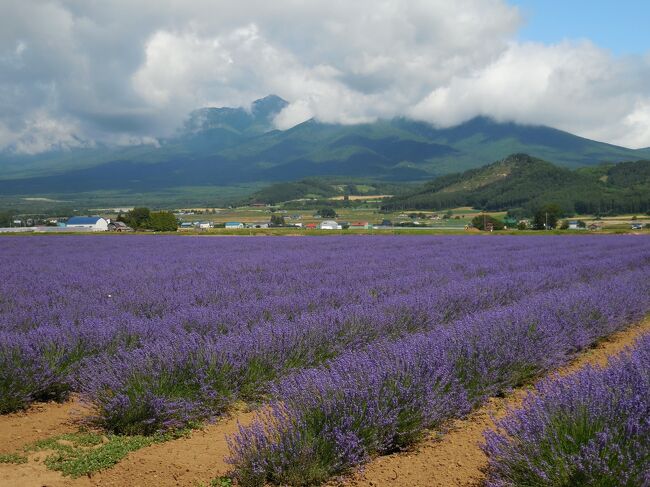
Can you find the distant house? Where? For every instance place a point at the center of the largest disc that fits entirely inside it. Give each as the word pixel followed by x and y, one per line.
pixel 257 225
pixel 204 225
pixel 187 226
pixel 365 225
pixel 119 227
pixel 573 225
pixel 234 225
pixel 89 223
pixel 311 226
pixel 329 225
pixel 594 227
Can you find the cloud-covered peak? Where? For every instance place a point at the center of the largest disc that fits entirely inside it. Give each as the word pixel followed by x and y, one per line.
pixel 259 118
pixel 268 107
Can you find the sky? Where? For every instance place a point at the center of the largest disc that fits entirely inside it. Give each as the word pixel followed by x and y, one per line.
pixel 77 72
pixel 621 27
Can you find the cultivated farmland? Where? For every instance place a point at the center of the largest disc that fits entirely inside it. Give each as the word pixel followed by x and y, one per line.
pixel 349 347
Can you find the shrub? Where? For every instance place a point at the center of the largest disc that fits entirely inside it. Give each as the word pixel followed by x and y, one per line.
pixel 590 428
pixel 161 387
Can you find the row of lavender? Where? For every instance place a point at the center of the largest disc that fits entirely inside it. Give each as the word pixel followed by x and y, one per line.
pixel 161 332
pixel 590 428
pixel 327 419
pixel 131 389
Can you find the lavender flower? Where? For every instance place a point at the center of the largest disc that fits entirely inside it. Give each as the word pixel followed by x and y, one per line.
pixel 590 428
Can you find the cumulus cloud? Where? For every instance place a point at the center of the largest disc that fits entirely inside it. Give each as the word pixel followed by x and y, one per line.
pixel 75 72
pixel 572 86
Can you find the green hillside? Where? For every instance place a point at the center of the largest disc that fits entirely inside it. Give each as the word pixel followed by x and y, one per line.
pixel 521 181
pixel 320 188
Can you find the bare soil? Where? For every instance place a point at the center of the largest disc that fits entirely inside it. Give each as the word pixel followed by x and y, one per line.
pixel 39 422
pixel 453 459
pixel 188 461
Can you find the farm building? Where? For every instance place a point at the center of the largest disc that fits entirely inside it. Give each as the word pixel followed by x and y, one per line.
pixel 119 227
pixel 311 225
pixel 329 225
pixel 576 225
pixel 257 225
pixel 234 225
pixel 90 223
pixel 204 225
pixel 365 225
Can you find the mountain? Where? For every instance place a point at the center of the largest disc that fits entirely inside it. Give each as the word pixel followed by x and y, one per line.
pixel 525 182
pixel 237 121
pixel 226 147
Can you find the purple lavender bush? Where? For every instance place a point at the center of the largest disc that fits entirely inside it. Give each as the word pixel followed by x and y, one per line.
pixel 589 428
pixel 326 420
pixel 159 387
pixel 375 401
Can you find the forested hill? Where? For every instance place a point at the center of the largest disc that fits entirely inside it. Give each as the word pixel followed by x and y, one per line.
pixel 522 181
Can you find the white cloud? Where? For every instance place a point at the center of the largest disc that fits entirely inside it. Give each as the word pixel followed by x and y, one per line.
pixel 572 86
pixel 126 72
pixel 41 133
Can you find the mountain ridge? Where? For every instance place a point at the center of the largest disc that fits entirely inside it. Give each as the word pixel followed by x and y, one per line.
pixel 228 146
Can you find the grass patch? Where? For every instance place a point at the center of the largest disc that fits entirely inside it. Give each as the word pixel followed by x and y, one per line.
pixel 82 453
pixel 12 458
pixel 218 482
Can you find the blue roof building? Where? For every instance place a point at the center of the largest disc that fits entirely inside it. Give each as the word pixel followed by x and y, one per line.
pixel 94 223
pixel 84 220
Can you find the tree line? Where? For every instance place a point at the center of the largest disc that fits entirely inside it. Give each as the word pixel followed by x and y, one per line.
pixel 145 219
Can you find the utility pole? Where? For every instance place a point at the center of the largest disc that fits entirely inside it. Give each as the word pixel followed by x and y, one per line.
pixel 546 223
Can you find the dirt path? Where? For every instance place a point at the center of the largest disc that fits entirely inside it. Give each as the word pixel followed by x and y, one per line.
pixel 183 462
pixel 455 459
pixel 38 422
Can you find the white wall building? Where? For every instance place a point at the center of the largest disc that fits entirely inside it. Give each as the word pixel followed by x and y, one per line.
pixel 89 223
pixel 329 225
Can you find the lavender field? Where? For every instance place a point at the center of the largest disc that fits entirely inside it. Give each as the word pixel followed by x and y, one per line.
pixel 591 428
pixel 353 346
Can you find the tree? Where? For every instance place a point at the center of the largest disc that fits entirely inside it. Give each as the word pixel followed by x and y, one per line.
pixel 136 218
pixel 482 222
pixel 547 217
pixel 327 213
pixel 6 218
pixel 277 221
pixel 162 221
